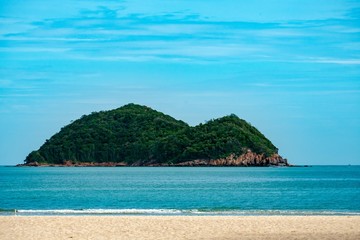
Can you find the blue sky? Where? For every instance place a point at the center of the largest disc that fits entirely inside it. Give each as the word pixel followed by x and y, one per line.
pixel 291 68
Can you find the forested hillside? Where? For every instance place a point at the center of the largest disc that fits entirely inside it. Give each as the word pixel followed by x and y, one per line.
pixel 139 135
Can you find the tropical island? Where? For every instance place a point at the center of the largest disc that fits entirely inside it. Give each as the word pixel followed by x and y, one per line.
pixel 135 135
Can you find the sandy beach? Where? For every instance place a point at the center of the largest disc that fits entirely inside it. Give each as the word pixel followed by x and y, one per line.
pixel 179 227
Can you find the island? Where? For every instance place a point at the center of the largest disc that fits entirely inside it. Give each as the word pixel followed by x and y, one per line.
pixel 135 135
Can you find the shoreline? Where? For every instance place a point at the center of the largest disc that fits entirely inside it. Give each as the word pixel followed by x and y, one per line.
pixel 152 166
pixel 180 227
pixel 246 159
pixel 169 212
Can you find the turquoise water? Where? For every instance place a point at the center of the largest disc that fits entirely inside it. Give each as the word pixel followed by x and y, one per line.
pixel 324 190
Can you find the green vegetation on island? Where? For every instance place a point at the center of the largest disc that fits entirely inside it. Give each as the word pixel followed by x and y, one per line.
pixel 138 135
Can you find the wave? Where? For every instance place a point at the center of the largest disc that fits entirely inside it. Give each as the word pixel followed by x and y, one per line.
pixel 177 212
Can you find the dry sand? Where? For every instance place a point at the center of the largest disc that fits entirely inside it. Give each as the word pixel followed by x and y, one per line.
pixel 180 227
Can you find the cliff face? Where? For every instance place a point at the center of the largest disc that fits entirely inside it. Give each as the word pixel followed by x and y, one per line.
pixel 135 135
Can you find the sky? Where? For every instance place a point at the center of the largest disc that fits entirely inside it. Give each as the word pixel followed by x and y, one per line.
pixel 289 67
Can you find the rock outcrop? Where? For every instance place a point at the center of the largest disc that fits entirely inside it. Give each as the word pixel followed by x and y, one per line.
pixel 244 160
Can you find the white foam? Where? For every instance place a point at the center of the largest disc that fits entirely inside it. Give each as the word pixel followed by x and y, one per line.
pixel 102 211
pixel 179 212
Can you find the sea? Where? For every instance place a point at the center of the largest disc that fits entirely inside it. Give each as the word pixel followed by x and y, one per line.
pixel 235 191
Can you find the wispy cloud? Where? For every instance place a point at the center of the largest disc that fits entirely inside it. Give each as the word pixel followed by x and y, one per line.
pixel 336 61
pixel 112 34
pixel 33 49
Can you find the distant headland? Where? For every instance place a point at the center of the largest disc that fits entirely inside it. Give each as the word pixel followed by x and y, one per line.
pixel 135 135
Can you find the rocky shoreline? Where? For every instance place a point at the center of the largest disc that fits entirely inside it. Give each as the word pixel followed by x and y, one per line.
pixel 248 159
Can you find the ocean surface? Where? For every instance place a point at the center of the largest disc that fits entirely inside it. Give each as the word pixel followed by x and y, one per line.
pixel 317 190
